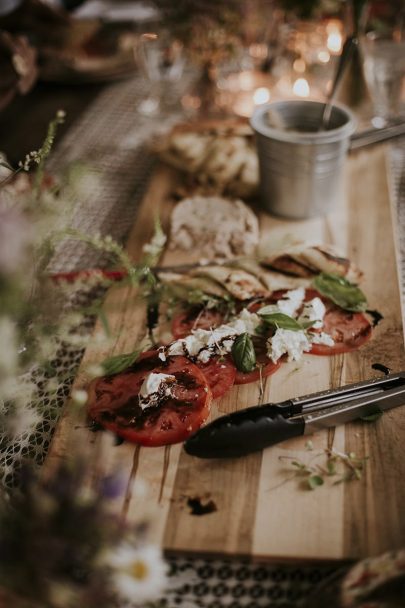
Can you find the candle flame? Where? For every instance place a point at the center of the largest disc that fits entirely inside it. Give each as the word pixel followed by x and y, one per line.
pixel 301 88
pixel 299 66
pixel 246 81
pixel 261 95
pixel 334 42
pixel 323 56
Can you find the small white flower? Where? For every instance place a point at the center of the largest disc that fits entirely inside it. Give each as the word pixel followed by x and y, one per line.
pixel 137 574
pixel 79 396
pixel 155 246
pixel 94 370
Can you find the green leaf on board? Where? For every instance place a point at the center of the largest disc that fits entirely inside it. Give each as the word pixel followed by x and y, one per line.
pixel 243 353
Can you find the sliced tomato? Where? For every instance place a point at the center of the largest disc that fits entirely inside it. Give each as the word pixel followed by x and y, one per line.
pixel 220 374
pixel 265 367
pixel 349 330
pixel 113 402
pixel 195 318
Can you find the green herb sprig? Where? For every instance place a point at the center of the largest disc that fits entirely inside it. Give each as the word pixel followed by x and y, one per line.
pixel 339 468
pixel 118 363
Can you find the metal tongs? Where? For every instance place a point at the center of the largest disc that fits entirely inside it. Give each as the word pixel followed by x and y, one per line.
pixel 255 428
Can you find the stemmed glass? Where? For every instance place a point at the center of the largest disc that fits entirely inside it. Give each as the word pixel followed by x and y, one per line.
pixel 382 44
pixel 161 61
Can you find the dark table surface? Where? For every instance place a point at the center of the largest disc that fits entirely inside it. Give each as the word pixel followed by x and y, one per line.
pixel 24 122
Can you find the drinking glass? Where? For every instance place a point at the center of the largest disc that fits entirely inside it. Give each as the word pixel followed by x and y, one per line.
pixel 382 44
pixel 161 61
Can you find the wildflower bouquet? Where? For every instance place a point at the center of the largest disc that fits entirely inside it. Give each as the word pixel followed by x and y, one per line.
pixel 61 547
pixel 39 318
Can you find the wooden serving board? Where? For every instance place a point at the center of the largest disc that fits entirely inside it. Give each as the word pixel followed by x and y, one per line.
pixel 260 512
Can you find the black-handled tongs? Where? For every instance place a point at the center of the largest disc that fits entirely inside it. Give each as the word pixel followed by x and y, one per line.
pixel 259 427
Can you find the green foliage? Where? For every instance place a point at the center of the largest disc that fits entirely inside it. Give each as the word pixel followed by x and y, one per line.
pixel 118 363
pixel 338 467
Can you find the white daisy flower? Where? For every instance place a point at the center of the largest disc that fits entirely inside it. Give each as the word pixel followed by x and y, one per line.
pixel 79 396
pixel 137 574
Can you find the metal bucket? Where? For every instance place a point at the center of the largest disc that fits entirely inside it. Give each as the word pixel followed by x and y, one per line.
pixel 301 168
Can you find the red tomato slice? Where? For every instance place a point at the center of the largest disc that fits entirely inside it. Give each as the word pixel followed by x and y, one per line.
pixel 220 374
pixel 267 366
pixel 113 402
pixel 185 322
pixel 350 330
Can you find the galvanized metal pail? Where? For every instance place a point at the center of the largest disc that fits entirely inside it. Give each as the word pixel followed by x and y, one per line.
pixel 301 167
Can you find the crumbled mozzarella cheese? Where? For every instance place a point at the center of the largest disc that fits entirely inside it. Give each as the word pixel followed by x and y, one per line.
pixel 314 310
pixel 204 343
pixel 161 353
pixel 250 319
pixel 294 343
pixel 321 338
pixel 190 345
pixel 154 387
pixel 289 303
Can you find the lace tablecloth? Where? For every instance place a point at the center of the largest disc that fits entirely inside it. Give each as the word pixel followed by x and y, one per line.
pixel 110 138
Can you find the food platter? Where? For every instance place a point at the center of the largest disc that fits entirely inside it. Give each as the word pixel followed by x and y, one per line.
pixel 249 506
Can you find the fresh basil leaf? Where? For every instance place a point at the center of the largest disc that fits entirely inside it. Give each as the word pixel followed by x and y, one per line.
pixel 118 363
pixel 243 353
pixel 307 324
pixel 343 293
pixel 267 310
pixel 280 320
pixel 262 329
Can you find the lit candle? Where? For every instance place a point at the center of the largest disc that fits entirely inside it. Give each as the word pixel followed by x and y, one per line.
pixel 301 88
pixel 246 81
pixel 245 103
pixel 299 65
pixel 324 56
pixel 261 95
pixel 334 41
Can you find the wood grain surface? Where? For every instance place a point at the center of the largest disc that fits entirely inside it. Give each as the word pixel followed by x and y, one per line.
pixel 261 511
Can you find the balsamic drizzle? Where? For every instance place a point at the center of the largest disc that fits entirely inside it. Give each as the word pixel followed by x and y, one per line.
pixel 376 316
